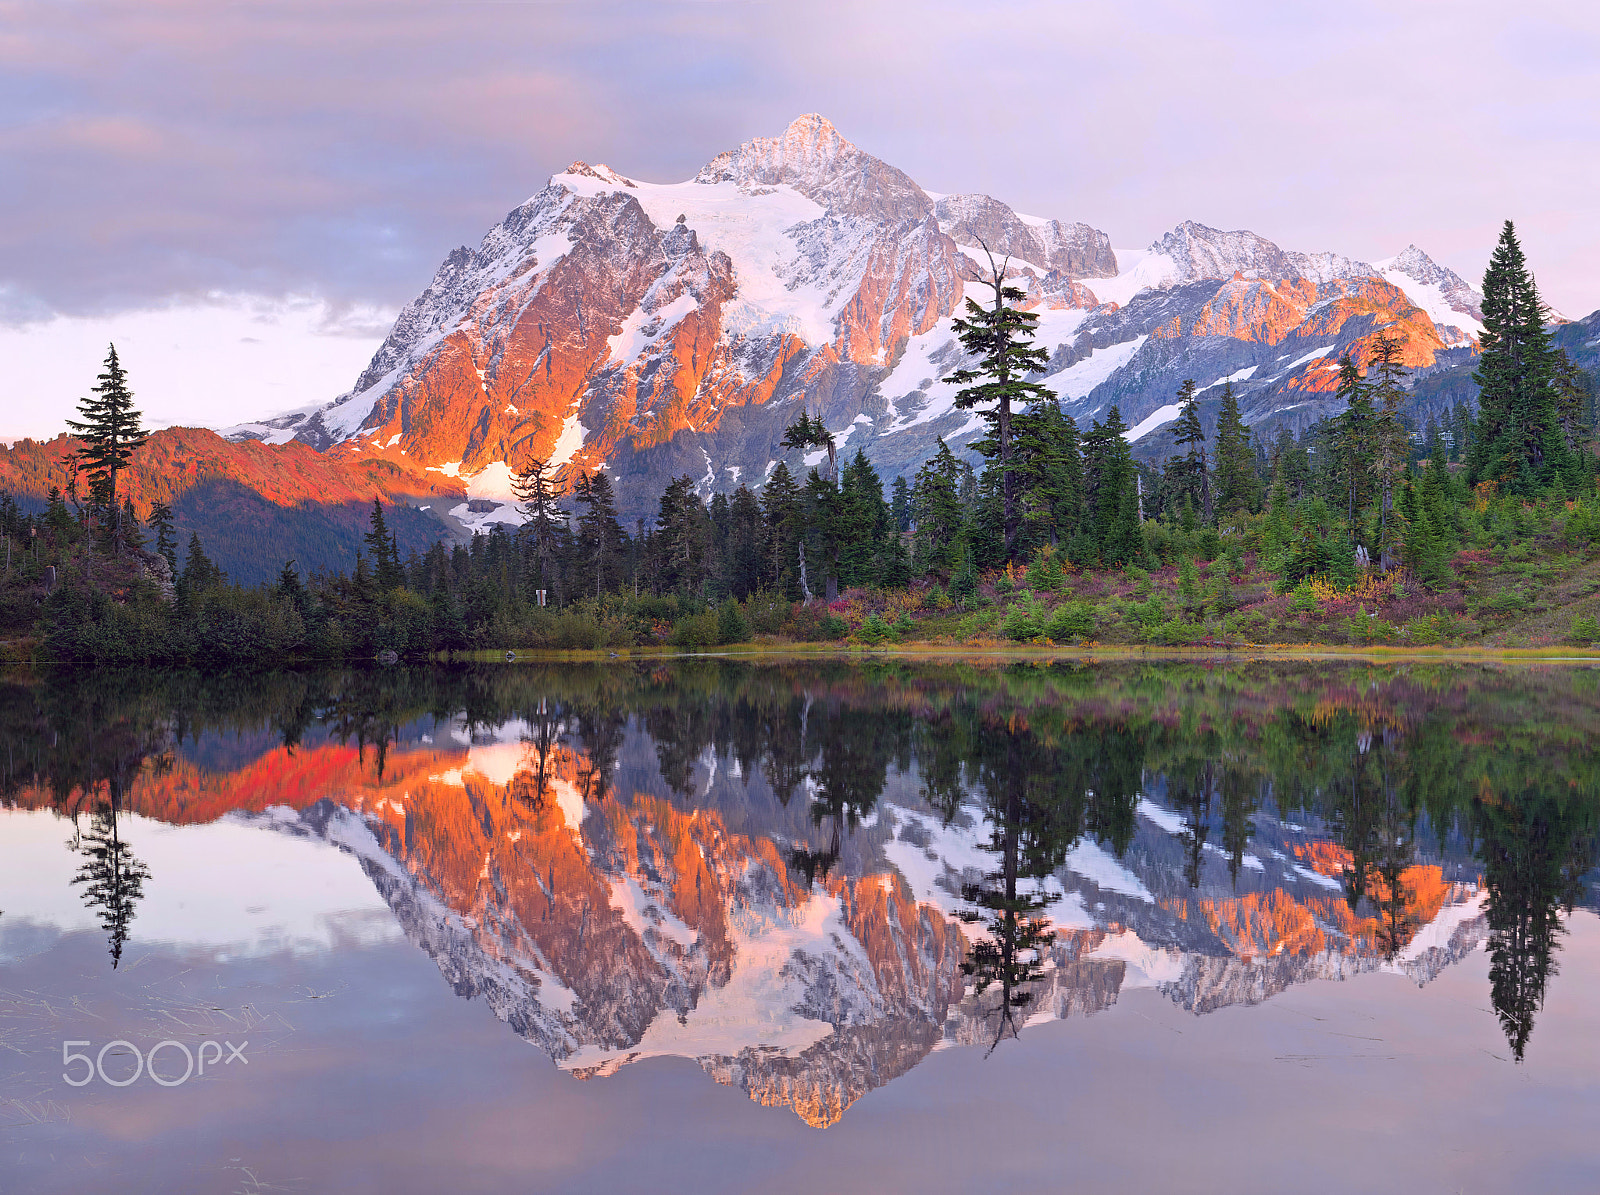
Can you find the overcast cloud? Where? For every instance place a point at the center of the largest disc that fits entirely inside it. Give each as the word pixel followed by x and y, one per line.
pixel 157 152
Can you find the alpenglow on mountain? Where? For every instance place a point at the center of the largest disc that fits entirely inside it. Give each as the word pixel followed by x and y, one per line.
pixel 667 329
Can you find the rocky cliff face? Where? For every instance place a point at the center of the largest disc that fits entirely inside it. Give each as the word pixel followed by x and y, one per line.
pixel 669 329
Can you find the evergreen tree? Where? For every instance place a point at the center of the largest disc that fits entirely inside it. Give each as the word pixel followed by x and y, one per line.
pixel 864 523
pixel 387 574
pixel 937 502
pixel 110 431
pixel 538 491
pixel 1352 443
pixel 166 543
pixel 1518 440
pixel 199 574
pixel 823 540
pixel 113 878
pixel 1238 491
pixel 601 541
pixel 900 504
pixel 1390 443
pixel 289 587
pixel 682 538
pixel 1110 496
pixel 1572 401
pixel 807 432
pixel 745 544
pixel 785 530
pixel 1001 337
pixel 1050 476
pixel 1190 434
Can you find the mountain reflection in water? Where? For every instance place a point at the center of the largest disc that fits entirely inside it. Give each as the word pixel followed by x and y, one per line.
pixel 808 876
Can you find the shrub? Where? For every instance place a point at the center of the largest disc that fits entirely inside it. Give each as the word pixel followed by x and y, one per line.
pixel 1585 629
pixel 732 627
pixel 694 631
pixel 1045 573
pixel 1148 614
pixel 767 612
pixel 872 631
pixel 1304 598
pixel 814 623
pixel 1021 625
pixel 1070 620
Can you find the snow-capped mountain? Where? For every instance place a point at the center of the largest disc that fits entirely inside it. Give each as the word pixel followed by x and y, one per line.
pixel 663 329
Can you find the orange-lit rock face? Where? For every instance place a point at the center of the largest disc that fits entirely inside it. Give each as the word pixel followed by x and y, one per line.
pixel 1270 310
pixel 174 460
pixel 911 282
pixel 616 333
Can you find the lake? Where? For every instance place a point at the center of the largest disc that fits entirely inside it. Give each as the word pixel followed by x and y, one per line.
pixel 722 925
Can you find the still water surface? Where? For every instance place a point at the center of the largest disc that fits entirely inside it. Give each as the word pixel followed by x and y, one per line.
pixel 820 926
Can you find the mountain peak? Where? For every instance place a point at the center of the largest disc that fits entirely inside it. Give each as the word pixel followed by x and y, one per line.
pixel 1445 295
pixel 814 158
pixel 602 172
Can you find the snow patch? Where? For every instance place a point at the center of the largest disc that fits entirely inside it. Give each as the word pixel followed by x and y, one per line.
pixel 572 436
pixel 1311 356
pixel 1076 380
pixel 1152 421
pixel 1094 863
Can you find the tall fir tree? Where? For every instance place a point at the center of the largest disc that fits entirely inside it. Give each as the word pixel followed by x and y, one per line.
pixel 1573 401
pixel 936 499
pixel 538 492
pixel 1238 491
pixel 1050 472
pixel 1352 443
pixel 111 431
pixel 900 504
pixel 602 544
pixel 780 510
pixel 1518 441
pixel 1390 442
pixel 1001 338
pixel 1191 434
pixel 166 540
pixel 1110 494
pixel 381 548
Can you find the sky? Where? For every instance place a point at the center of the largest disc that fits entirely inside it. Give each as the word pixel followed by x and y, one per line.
pixel 243 194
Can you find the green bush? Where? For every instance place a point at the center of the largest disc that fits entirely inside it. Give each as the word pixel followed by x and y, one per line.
pixel 1070 620
pixel 1045 573
pixel 872 631
pixel 814 623
pixel 1021 625
pixel 767 612
pixel 694 631
pixel 1148 614
pixel 1179 631
pixel 1585 629
pixel 732 626
pixel 1304 599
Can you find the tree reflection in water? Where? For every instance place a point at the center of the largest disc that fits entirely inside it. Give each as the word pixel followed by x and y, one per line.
pixel 1395 764
pixel 113 879
pixel 1535 845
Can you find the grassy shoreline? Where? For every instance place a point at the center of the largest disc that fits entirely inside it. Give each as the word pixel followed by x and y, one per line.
pixel 934 649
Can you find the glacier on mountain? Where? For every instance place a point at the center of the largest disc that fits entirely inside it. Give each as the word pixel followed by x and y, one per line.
pixel 663 329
